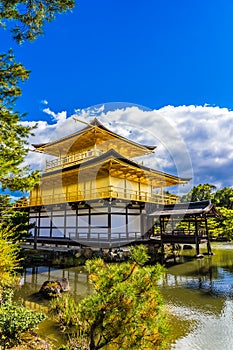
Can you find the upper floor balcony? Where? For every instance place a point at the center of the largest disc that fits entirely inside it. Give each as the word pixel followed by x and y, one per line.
pixel 100 193
pixel 71 159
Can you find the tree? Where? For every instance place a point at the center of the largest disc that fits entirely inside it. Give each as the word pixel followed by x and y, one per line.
pixel 125 309
pixel 13 135
pixel 29 16
pixel 15 319
pixel 26 19
pixel 13 221
pixel 9 260
pixel 222 226
pixel 199 193
pixel 224 198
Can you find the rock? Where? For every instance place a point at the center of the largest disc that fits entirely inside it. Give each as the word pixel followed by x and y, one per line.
pixel 78 254
pixel 187 247
pixel 87 253
pixel 50 289
pixel 65 286
pixel 199 256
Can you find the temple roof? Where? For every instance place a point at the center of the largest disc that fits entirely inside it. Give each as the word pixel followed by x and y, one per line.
pixel 119 166
pixel 187 209
pixel 94 134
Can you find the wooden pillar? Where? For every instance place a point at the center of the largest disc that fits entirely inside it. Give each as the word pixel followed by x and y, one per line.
pixel 65 208
pixel 127 222
pixel 35 237
pixel 161 224
pixel 38 223
pixel 208 238
pixel 196 237
pixel 189 227
pixel 76 223
pixel 51 223
pixel 125 187
pixel 89 223
pixel 109 222
pixel 172 224
pixel 141 223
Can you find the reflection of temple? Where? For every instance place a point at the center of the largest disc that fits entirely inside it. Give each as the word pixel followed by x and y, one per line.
pixel 94 193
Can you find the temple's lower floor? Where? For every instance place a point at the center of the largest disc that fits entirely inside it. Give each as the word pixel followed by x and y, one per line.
pixel 100 223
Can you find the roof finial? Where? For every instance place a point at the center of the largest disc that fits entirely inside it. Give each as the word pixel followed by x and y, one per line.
pixel 81 121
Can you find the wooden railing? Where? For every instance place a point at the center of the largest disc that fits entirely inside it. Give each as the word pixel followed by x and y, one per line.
pixel 97 237
pixel 71 159
pixel 100 193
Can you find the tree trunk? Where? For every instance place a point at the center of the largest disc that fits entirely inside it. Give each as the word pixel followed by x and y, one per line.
pixel 92 340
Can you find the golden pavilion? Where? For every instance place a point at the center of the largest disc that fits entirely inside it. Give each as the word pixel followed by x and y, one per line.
pixel 92 192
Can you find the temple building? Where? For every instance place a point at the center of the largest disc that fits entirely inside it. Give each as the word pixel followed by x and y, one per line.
pixel 93 192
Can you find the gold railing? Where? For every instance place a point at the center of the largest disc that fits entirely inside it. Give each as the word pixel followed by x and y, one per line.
pixel 71 159
pixel 100 193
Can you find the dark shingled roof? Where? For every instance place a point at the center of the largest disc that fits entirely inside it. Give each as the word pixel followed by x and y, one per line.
pixel 187 209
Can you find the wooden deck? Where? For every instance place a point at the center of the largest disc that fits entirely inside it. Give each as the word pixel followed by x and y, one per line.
pixel 32 243
pixel 156 240
pixel 184 239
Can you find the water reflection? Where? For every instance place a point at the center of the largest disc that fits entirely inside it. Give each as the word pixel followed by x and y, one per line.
pixel 197 292
pixel 209 331
pixel 33 278
pixel 213 275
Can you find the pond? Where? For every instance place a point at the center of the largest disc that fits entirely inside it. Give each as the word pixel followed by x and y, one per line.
pixel 197 292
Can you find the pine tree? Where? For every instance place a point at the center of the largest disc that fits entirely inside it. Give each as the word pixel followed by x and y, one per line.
pixel 125 310
pixel 25 19
pixel 13 135
pixel 29 16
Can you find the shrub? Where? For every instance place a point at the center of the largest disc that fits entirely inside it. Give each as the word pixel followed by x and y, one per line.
pixel 15 320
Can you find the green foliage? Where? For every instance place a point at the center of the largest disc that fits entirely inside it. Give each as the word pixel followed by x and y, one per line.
pixel 67 311
pixel 26 19
pixel 15 320
pixel 125 309
pixel 12 220
pixel 185 226
pixel 11 74
pixel 224 198
pixel 199 193
pixel 139 255
pixel 13 135
pixel 9 259
pixel 25 180
pixel 29 16
pixel 223 226
pixel 227 222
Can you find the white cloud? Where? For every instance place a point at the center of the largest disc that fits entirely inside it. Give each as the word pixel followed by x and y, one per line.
pixel 192 141
pixel 44 102
pixel 59 117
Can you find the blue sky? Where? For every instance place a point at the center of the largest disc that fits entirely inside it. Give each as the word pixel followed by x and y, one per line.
pixel 173 57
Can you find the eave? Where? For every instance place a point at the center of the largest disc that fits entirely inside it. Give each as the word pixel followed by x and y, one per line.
pixel 182 210
pixel 95 134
